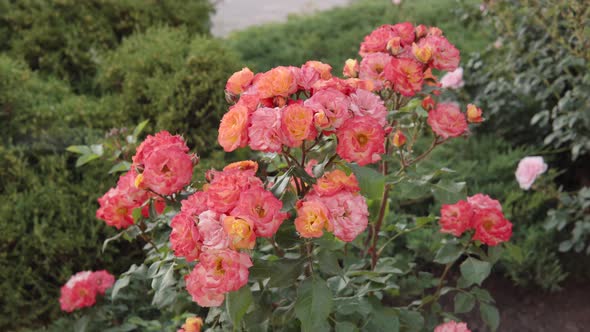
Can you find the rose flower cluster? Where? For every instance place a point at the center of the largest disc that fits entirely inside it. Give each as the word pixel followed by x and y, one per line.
pixel 214 224
pixel 161 166
pixel 479 212
pixel 334 205
pixel 81 290
pixel 270 117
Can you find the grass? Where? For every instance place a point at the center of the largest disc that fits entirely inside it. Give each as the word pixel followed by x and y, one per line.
pixel 335 35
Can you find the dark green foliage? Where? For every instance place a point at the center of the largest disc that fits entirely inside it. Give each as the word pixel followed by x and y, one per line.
pixel 175 81
pixel 66 37
pixel 48 232
pixel 487 165
pixel 335 35
pixel 535 86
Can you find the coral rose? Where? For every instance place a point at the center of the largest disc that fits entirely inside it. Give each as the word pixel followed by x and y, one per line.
pixel 351 68
pixel 360 140
pixel 240 232
pixel 446 120
pixel 185 239
pixel 239 81
pixel 81 290
pixel 312 219
pixel 263 208
pixel 279 81
pixel 233 130
pixel 455 218
pixel 529 168
pixel 491 227
pixel 406 75
pixel 474 114
pixel 297 125
pixel 167 171
pixel 218 272
pixel 336 181
pixel 192 324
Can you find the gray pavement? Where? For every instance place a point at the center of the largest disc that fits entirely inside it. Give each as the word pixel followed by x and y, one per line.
pixel 234 15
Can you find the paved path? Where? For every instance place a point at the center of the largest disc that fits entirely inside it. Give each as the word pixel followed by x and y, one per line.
pixel 238 14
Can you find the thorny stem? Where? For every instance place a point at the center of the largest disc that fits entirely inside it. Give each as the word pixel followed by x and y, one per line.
pixel 278 249
pixel 146 237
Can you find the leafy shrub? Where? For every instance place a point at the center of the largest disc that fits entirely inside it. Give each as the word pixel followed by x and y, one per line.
pixel 44 200
pixel 494 161
pixel 171 79
pixel 334 35
pixel 539 74
pixel 47 232
pixel 66 37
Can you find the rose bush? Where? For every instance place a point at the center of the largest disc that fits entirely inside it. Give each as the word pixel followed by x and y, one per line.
pixel 304 238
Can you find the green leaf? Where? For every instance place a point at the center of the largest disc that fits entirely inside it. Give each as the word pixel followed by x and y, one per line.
pixel 119 284
pixel 237 304
pixel 328 263
pixel 123 166
pixel 79 149
pixel 285 272
pixel 82 324
pixel 86 158
pixel 139 128
pixel 281 183
pixel 464 302
pixel 475 271
pixel 448 192
pixel 382 318
pixel 448 253
pixel 411 320
pixel 411 105
pixel 346 327
pixel 490 315
pixel 494 253
pixel 314 304
pixel 514 252
pixel 372 183
pixel 482 295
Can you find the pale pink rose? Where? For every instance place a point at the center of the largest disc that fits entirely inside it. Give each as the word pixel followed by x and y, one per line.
pixel 453 80
pixel 265 130
pixel 211 231
pixel 349 215
pixel 480 202
pixel 529 168
pixel 498 43
pixel 332 104
pixel 396 2
pixel 373 68
pixel 363 102
pixel 452 326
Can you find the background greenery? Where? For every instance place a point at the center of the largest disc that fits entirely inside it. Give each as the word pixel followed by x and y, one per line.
pixel 71 70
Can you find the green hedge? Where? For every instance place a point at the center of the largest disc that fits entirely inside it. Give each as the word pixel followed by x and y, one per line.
pixel 66 37
pixel 174 80
pixel 335 35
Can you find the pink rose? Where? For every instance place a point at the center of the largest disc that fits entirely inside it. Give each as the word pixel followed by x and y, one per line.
pixel 453 80
pixel 452 326
pixel 349 215
pixel 528 170
pixel 446 120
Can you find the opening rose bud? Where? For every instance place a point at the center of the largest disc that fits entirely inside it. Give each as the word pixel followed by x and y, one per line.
pixel 399 139
pixel 474 114
pixel 351 68
pixel 422 53
pixel 420 31
pixel 428 103
pixel 394 46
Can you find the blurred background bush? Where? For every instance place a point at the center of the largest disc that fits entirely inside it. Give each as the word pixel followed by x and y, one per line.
pixel 70 71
